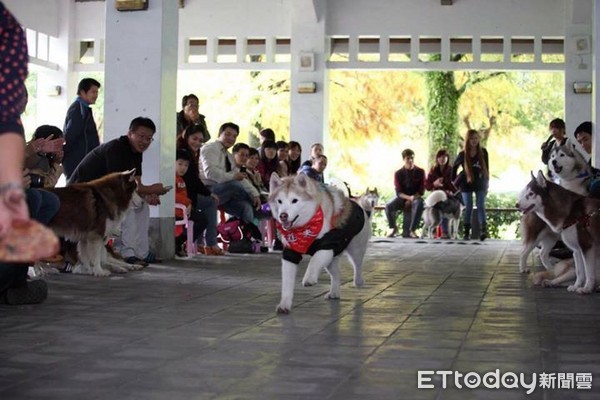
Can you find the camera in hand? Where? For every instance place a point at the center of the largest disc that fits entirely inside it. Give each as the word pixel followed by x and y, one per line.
pixel 242 169
pixel 37 181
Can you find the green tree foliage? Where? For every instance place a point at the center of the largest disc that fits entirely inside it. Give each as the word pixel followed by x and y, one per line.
pixel 442 111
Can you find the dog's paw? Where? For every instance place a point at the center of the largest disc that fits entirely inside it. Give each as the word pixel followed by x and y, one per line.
pixel 100 272
pixel 359 281
pixel 547 283
pixel 524 270
pixel 282 309
pixel 584 290
pixel 306 281
pixel 332 296
pixel 572 288
pixel 82 270
pixel 117 269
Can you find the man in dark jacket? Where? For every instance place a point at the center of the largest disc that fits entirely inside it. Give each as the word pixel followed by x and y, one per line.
pixel 189 115
pixel 409 182
pixel 80 130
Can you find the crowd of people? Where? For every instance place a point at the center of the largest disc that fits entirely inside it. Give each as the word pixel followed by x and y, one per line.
pixel 469 174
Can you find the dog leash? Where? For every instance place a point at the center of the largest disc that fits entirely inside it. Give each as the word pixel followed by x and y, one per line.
pixel 585 219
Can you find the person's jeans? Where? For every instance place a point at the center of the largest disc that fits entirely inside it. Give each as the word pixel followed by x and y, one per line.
pixel 234 199
pixel 410 221
pixel 43 205
pixel 206 205
pixel 480 201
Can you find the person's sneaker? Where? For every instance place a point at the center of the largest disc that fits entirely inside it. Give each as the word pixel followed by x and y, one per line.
pixel 34 292
pixel 180 252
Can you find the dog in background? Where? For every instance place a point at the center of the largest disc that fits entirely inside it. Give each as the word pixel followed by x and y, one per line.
pixel 91 211
pixel 573 172
pixel 369 200
pixel 438 205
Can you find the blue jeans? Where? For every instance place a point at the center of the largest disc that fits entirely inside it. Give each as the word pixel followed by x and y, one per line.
pixel 480 201
pixel 234 199
pixel 207 206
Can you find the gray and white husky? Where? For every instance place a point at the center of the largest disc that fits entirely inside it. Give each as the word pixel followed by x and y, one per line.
pixel 320 221
pixel 439 205
pixel 576 218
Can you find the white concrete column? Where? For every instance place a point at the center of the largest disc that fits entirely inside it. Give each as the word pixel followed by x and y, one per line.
pixel 141 80
pixel 578 64
pixel 309 111
pixel 595 82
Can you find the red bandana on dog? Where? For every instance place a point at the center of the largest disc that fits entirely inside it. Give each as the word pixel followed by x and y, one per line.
pixel 300 238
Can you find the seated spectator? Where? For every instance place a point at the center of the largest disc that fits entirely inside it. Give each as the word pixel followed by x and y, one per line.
pixel 283 157
pixel 409 182
pixel 294 158
pixel 268 162
pixel 203 201
pixel 440 175
pixel 123 154
pixel 182 164
pixel 440 178
pixel 318 167
pixel 583 135
pixel 254 174
pixel 220 176
pixel 43 156
pixel 190 115
pixel 241 153
pixel 315 150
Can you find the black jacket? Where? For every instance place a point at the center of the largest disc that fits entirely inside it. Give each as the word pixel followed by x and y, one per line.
pixel 81 135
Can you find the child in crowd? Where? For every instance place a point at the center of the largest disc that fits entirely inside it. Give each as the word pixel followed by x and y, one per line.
pixel 315 150
pixel 182 163
pixel 316 171
pixel 294 158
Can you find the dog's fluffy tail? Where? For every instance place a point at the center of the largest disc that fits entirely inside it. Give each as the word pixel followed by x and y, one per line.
pixel 435 197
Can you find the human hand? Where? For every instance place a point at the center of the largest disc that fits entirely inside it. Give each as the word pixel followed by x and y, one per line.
pixel 439 182
pixel 159 189
pixel 215 198
pixel 26 179
pixel 13 206
pixel 152 199
pixel 256 202
pixel 240 176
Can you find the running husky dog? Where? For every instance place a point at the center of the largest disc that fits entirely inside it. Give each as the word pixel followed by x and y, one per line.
pixel 320 221
pixel 89 212
pixel 439 205
pixel 576 218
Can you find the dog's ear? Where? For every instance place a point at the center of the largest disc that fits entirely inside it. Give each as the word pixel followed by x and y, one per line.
pixel 274 182
pixel 302 180
pixel 130 173
pixel 541 179
pixel 367 191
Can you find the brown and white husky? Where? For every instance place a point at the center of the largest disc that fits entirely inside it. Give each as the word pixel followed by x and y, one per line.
pixel 576 218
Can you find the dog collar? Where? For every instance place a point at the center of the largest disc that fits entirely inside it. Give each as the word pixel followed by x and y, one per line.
pixel 300 238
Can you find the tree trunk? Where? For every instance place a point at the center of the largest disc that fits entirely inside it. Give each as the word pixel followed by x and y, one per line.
pixel 442 112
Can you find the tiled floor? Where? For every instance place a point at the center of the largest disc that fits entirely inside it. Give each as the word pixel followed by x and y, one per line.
pixel 206 329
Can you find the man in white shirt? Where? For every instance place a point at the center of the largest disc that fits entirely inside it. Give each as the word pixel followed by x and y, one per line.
pixel 221 175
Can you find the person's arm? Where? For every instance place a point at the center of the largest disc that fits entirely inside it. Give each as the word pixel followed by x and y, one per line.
pixel 487 161
pixel 457 163
pixel 398 186
pixel 431 177
pixel 12 197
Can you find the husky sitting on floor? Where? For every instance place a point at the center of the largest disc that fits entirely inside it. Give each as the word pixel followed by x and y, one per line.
pixel 320 221
pixel 439 205
pixel 576 218
pixel 573 173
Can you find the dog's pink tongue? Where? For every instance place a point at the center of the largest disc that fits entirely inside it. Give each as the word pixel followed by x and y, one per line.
pixel 286 225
